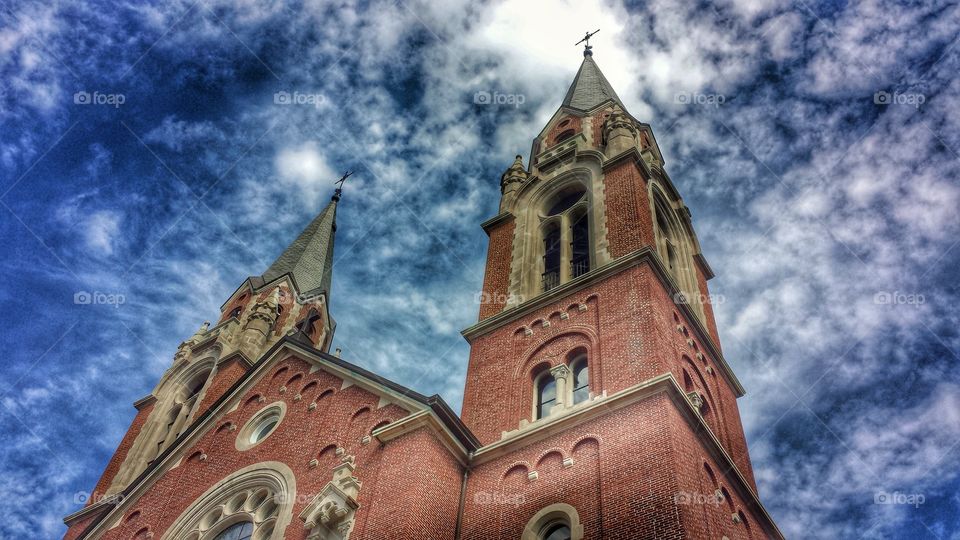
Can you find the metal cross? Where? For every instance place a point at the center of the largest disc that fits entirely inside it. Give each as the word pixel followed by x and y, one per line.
pixel 339 183
pixel 586 39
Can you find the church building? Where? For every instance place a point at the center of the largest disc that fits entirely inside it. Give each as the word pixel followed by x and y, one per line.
pixel 597 405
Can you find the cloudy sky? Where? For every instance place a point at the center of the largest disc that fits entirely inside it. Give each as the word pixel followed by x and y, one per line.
pixel 144 157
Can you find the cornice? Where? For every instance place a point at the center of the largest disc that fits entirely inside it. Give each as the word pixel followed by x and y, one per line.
pixel 644 255
pixel 489 224
pixel 702 261
pixel 144 401
pixel 600 406
pixel 404 397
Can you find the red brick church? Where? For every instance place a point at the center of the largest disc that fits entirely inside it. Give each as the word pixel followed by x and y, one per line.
pixel 598 403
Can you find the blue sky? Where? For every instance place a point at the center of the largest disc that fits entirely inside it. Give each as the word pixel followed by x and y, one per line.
pixel 144 157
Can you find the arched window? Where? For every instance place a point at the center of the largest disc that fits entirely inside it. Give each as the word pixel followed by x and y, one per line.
pixel 581 379
pixel 566 237
pixel 564 135
pixel 556 531
pixel 253 503
pixel 580 245
pixel 236 312
pixel 237 531
pixel 184 403
pixel 546 394
pixel 551 257
pixel 558 521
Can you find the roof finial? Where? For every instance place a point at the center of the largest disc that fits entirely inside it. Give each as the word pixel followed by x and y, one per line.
pixel 587 49
pixel 339 183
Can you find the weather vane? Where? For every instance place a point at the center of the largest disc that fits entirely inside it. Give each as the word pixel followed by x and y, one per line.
pixel 586 42
pixel 339 183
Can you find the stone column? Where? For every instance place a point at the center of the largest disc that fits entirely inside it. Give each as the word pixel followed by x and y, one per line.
pixel 562 375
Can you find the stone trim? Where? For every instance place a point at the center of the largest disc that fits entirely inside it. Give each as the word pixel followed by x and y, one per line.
pixel 494 221
pixel 702 262
pixel 268 475
pixel 645 255
pixel 424 419
pixel 144 401
pixel 278 408
pixel 661 384
pixel 554 512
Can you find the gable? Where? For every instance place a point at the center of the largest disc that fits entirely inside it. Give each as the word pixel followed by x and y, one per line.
pixel 323 402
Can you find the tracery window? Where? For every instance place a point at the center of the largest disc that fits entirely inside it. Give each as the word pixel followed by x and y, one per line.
pixel 565 232
pixel 237 531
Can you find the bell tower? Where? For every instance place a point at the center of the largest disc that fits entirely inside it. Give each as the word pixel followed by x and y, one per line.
pixel 596 340
pixel 290 297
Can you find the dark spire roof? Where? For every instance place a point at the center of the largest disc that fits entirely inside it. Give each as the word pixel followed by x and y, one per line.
pixel 309 259
pixel 590 88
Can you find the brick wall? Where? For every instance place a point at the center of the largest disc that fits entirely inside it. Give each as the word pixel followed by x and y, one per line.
pixel 121 454
pixel 630 331
pixel 496 278
pixel 631 469
pixel 629 219
pixel 300 437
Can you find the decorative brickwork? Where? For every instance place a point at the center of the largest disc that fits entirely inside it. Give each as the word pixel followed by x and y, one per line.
pixel 597 400
pixel 496 279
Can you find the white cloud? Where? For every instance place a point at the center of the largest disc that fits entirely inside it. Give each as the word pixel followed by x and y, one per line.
pixel 304 167
pixel 101 230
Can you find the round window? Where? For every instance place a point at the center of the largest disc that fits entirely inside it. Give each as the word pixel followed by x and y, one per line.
pixel 263 428
pixel 261 425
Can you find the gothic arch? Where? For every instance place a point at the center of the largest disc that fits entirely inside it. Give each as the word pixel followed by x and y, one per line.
pixel 532 208
pixel 712 403
pixel 262 494
pixel 676 247
pixel 178 396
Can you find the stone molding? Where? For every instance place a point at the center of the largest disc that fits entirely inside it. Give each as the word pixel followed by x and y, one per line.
pixel 644 255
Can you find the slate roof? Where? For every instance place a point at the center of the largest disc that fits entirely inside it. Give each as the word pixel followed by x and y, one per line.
pixel 590 88
pixel 309 259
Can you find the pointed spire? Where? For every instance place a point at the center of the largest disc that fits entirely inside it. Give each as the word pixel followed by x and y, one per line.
pixel 309 259
pixel 590 88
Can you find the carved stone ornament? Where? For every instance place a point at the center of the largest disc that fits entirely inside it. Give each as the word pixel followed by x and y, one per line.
pixel 330 515
pixel 696 399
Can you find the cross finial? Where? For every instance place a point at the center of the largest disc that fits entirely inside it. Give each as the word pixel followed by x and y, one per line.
pixel 339 183
pixel 587 49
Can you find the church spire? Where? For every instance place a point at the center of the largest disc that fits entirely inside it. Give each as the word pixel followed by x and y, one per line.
pixel 589 88
pixel 309 259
